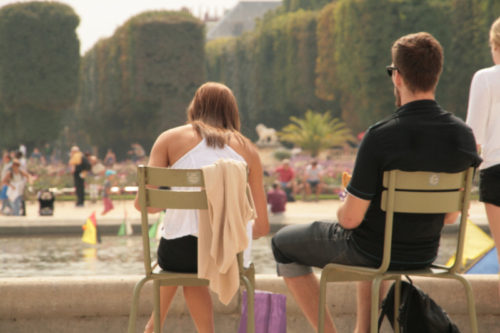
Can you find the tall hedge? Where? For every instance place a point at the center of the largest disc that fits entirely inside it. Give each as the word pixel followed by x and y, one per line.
pixel 140 81
pixel 39 66
pixel 340 67
pixel 271 70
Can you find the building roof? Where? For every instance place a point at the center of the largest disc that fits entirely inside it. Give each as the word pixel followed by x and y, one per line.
pixel 241 18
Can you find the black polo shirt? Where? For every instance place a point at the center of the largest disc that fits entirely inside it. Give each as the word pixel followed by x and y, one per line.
pixel 420 136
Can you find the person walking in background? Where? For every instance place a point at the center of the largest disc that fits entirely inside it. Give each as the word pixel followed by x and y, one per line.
pixel 76 162
pixel 286 177
pixel 313 179
pixel 110 158
pixel 277 198
pixel 7 164
pixel 22 159
pixel 47 153
pixel 483 117
pixel 15 181
pixel 106 191
pixel 21 156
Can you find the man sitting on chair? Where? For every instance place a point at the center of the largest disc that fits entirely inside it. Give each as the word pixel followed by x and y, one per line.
pixel 420 136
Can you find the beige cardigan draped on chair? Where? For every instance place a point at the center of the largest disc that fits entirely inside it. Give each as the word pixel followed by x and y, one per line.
pixel 223 226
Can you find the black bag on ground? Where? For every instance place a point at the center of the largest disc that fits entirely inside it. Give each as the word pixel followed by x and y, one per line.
pixel 418 313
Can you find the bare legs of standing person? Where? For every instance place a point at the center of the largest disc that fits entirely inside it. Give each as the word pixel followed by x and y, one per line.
pixel 199 302
pixel 493 213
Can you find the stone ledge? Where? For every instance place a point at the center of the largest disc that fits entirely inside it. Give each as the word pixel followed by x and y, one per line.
pixel 102 304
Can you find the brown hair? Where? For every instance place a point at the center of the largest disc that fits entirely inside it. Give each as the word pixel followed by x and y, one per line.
pixel 419 59
pixel 213 113
pixel 495 32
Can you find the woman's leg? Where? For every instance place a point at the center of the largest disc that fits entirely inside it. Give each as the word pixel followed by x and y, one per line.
pixel 200 305
pixel 493 213
pixel 167 294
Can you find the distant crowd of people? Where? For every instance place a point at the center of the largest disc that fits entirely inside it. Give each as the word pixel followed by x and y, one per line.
pixel 17 170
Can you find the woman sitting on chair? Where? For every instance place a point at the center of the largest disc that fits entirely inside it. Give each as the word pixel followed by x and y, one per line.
pixel 212 132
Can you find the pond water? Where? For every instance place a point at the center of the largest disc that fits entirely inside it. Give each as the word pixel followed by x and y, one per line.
pixel 69 256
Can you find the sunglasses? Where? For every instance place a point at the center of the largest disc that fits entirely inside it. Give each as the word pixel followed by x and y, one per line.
pixel 390 69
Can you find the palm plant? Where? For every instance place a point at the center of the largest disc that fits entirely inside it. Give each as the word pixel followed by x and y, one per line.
pixel 316 132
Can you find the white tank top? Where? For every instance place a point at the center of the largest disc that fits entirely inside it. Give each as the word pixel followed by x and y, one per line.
pixel 182 222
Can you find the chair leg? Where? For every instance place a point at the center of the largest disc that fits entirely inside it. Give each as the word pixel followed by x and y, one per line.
pixel 156 295
pixel 397 301
pixel 470 302
pixel 322 303
pixel 375 302
pixel 250 274
pixel 135 304
pixel 250 305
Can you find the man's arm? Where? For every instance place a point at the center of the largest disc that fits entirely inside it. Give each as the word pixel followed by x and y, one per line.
pixel 450 218
pixel 363 184
pixel 352 211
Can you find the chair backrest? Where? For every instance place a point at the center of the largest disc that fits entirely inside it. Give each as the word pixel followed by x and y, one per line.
pixel 167 199
pixel 425 193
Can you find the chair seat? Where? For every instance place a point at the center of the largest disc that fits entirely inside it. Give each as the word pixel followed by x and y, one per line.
pixel 338 273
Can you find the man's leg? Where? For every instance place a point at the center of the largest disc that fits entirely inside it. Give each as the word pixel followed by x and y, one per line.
pixel 493 213
pixel 363 316
pixel 80 190
pixel 305 291
pixel 298 247
pixel 318 190
pixel 308 190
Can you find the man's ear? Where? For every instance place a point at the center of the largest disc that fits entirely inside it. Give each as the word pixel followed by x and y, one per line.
pixel 398 79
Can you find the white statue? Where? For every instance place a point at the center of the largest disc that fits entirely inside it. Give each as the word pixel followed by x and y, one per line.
pixel 267 136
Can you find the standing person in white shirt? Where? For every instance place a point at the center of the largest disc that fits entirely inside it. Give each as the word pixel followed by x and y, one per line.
pixel 484 118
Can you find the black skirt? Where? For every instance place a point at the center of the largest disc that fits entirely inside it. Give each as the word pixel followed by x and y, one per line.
pixel 489 186
pixel 179 254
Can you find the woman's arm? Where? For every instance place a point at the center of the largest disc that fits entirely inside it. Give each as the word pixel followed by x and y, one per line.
pixel 255 181
pixel 479 106
pixel 158 158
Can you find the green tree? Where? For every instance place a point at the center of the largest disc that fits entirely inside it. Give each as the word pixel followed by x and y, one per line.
pixel 39 67
pixel 316 132
pixel 139 82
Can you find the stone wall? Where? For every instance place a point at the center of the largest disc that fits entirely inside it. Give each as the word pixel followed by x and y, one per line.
pixel 102 305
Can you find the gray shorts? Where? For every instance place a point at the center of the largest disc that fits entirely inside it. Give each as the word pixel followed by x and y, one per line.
pixel 298 248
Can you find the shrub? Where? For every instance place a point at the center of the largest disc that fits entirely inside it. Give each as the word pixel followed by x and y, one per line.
pixel 140 81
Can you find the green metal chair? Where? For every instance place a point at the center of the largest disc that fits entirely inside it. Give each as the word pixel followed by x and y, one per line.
pixel 410 192
pixel 167 199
